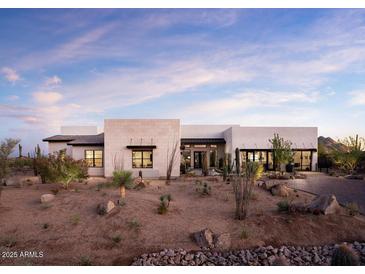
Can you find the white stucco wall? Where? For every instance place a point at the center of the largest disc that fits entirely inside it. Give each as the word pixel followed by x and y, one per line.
pixel 57 146
pixel 119 133
pixel 78 153
pixel 204 131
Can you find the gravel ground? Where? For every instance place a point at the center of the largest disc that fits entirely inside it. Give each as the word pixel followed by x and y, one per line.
pixel 261 256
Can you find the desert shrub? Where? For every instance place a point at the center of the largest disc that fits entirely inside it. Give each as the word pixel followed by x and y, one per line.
pixel 203 188
pixel 122 179
pixel 164 204
pixel 60 168
pixel 243 185
pixel 8 241
pixel 283 205
pixel 75 219
pixel 353 208
pixel 344 255
pixel 6 148
pixel 134 225
pixel 85 261
pixel 243 234
pixel 116 239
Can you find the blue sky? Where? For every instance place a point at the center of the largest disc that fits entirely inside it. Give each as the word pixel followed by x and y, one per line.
pixel 254 67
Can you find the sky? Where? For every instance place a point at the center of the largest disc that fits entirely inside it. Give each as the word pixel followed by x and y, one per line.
pixel 253 67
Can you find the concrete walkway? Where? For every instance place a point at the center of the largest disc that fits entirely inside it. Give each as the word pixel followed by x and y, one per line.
pixel 345 190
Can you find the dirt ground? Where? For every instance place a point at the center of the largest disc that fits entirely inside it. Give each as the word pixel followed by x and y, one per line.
pixel 69 232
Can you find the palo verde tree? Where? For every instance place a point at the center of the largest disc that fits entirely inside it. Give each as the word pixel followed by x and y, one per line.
pixel 349 160
pixel 282 152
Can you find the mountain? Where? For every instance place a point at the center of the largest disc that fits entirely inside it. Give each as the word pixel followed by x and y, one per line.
pixel 327 144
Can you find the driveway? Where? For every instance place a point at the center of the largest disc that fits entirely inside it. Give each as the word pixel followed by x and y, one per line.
pixel 345 190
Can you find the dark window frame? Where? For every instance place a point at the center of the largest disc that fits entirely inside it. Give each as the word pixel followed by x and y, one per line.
pixel 143 150
pixel 93 158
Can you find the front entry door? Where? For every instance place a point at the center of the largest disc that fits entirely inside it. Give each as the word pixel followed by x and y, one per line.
pixel 198 159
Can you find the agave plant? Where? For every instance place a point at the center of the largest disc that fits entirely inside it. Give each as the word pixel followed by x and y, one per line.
pixel 122 179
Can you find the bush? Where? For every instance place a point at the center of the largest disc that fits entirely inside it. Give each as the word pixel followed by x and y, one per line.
pixel 134 225
pixel 123 177
pixel 283 206
pixel 75 219
pixel 116 239
pixel 352 208
pixel 203 188
pixel 164 204
pixel 344 255
pixel 60 168
pixel 85 261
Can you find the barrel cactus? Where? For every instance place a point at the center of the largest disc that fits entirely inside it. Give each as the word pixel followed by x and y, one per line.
pixel 344 255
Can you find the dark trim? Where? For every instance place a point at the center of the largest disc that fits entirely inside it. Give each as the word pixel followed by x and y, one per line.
pixel 143 147
pixel 102 159
pixel 57 141
pixel 270 149
pixel 202 141
pixel 91 145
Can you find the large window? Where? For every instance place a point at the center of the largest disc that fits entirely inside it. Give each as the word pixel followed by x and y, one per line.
pixel 142 159
pixel 94 158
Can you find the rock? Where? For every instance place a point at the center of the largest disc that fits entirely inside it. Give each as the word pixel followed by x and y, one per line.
pixel 263 256
pixel 46 198
pixel 105 208
pixel 280 261
pixel 203 238
pixel 325 204
pixel 189 257
pixel 222 241
pixel 280 190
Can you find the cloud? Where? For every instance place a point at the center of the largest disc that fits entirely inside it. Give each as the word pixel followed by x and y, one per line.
pixel 47 97
pixel 357 98
pixel 53 81
pixel 251 99
pixel 10 74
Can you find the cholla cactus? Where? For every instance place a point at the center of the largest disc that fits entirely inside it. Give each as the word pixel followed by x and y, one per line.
pixel 344 255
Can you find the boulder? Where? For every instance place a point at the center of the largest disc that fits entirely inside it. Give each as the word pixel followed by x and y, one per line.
pixel 138 180
pixel 203 238
pixel 46 198
pixel 140 185
pixel 105 208
pixel 325 204
pixel 280 190
pixel 222 241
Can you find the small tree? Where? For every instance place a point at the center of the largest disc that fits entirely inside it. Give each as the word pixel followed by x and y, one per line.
pixel 205 168
pixel 6 148
pixel 171 159
pixel 243 185
pixel 122 179
pixel 282 151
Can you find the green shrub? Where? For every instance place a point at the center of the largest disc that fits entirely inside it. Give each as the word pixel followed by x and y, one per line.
pixel 123 177
pixel 164 204
pixel 85 261
pixel 116 239
pixel 75 219
pixel 60 168
pixel 203 188
pixel 353 208
pixel 344 255
pixel 283 206
pixel 243 234
pixel 134 225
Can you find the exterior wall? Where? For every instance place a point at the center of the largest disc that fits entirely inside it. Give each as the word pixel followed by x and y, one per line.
pixel 79 130
pixel 204 131
pixel 57 146
pixel 78 153
pixel 119 133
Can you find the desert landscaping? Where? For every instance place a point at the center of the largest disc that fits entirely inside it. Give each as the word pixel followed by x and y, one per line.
pixel 68 228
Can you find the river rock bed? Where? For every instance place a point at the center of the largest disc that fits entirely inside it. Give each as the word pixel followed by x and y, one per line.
pixel 260 256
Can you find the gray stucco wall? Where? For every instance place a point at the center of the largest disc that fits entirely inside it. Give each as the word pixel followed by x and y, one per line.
pixel 119 133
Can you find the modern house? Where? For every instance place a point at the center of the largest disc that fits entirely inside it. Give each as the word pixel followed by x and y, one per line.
pixel 147 144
